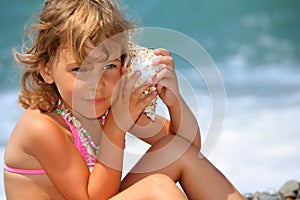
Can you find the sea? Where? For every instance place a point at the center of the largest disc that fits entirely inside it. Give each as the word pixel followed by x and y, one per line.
pixel 248 108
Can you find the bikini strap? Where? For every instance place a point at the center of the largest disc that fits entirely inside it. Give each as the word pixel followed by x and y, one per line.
pixel 23 171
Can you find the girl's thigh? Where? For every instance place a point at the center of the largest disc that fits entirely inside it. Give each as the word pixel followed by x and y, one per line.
pixel 155 186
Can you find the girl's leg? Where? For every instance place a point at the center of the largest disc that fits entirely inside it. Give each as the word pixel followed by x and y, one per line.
pixel 175 157
pixel 154 187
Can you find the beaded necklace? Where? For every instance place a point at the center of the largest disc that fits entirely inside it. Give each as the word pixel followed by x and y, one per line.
pixel 91 148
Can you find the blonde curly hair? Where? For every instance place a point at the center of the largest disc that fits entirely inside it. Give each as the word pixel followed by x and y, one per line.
pixel 61 22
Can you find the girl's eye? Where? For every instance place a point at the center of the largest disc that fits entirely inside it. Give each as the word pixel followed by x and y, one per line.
pixel 111 66
pixel 78 69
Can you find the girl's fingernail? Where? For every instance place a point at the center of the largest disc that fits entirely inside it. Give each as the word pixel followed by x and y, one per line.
pixel 154 93
pixel 150 81
pixel 138 73
pixel 155 61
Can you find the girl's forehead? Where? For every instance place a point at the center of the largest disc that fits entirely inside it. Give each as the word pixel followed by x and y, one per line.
pixel 66 55
pixel 104 52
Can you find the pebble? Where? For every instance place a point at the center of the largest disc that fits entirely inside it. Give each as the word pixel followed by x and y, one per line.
pixel 289 191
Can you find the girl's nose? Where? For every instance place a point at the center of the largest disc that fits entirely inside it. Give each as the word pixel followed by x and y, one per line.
pixel 95 79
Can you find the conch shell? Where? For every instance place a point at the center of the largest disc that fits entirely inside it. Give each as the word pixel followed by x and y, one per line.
pixel 140 58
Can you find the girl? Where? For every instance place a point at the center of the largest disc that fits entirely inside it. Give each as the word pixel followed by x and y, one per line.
pixel 79 104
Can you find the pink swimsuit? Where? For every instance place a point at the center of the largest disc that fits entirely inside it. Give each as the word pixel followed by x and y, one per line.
pixel 77 143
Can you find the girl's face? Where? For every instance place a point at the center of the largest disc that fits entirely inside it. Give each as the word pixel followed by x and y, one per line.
pixel 87 89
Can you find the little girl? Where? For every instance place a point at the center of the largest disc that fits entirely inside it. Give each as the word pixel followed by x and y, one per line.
pixel 69 143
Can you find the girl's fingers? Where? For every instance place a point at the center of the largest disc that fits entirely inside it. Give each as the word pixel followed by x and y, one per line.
pixel 166 60
pixel 122 85
pixel 140 90
pixel 166 78
pixel 145 101
pixel 161 51
pixel 124 70
pixel 159 88
pixel 163 74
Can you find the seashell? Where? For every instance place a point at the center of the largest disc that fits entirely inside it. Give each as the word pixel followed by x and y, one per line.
pixel 140 58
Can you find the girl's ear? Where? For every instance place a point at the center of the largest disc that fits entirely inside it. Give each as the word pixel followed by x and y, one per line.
pixel 45 72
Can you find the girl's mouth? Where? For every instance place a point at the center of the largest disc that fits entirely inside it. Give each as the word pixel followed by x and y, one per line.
pixel 95 100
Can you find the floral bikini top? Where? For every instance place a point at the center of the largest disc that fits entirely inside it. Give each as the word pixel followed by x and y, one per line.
pixel 82 141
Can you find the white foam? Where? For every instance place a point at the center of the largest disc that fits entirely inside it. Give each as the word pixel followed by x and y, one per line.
pixel 259 147
pixel 2 192
pixel 9 113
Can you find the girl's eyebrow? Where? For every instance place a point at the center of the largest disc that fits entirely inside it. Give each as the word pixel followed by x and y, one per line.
pixel 115 60
pixel 103 56
pixel 84 64
pixel 95 58
pixel 71 64
pixel 100 60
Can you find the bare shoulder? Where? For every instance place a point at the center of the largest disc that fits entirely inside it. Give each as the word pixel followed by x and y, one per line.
pixel 38 129
pixel 33 135
pixel 36 123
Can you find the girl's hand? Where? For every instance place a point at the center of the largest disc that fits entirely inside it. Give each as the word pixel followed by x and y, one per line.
pixel 167 83
pixel 127 104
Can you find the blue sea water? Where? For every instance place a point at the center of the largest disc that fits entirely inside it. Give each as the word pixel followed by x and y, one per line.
pixel 256 47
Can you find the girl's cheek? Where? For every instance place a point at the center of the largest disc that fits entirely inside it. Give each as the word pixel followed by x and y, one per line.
pixel 78 91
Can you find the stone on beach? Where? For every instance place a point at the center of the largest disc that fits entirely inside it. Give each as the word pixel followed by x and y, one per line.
pixel 289 191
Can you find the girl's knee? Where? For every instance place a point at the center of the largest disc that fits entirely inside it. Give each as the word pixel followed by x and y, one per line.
pixel 162 186
pixel 171 142
pixel 159 181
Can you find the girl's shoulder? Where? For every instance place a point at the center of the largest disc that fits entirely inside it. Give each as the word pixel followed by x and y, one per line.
pixel 38 127
pixel 34 133
pixel 33 121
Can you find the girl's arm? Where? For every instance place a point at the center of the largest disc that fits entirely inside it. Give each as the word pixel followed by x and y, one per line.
pixel 151 131
pixel 185 126
pixel 53 148
pixel 183 122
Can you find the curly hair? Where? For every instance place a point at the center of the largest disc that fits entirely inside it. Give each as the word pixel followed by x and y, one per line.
pixel 61 22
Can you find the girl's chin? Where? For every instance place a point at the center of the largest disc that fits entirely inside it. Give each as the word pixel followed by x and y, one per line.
pixel 90 113
pixel 87 116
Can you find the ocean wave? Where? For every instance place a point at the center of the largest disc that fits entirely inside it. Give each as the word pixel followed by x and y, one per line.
pixel 9 114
